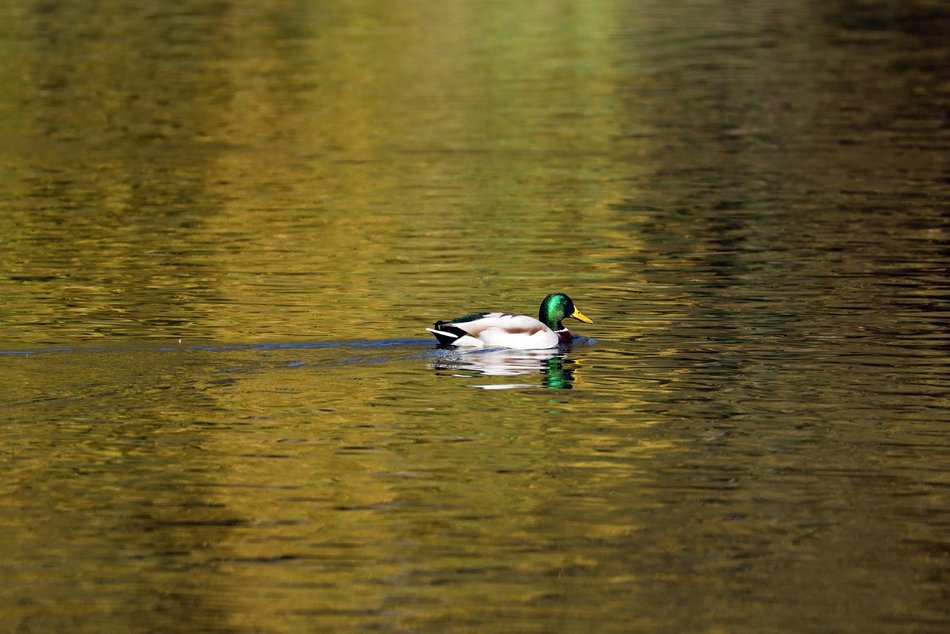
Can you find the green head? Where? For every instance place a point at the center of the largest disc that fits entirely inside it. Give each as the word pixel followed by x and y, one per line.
pixel 556 307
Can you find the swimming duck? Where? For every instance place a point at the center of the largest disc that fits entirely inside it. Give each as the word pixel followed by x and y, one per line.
pixel 504 330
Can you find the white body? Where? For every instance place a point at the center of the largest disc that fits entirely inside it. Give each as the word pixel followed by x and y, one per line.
pixel 501 330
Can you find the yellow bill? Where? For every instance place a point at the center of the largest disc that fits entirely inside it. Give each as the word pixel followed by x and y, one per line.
pixel 581 317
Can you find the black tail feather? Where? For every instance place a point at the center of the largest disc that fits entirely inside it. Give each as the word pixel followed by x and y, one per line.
pixel 447 334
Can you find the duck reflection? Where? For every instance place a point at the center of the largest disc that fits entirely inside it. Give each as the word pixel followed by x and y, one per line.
pixel 556 370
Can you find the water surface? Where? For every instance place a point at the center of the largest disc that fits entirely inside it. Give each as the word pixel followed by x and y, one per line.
pixel 225 226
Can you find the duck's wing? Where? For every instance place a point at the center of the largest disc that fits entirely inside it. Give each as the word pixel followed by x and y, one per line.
pixel 514 324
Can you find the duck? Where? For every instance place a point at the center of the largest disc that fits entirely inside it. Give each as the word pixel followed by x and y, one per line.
pixel 507 330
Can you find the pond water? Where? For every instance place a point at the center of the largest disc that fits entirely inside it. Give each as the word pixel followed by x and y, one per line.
pixel 224 227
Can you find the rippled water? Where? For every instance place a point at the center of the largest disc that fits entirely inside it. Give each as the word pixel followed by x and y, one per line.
pixel 224 227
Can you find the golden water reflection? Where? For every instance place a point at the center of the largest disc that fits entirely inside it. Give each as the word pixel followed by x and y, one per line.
pixel 167 161
pixel 225 225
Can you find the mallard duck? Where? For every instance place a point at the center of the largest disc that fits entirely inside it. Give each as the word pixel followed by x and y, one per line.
pixel 504 330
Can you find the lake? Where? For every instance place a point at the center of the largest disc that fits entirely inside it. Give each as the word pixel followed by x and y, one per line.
pixel 225 226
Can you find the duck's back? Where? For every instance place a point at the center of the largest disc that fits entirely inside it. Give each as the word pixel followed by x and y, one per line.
pixel 522 324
